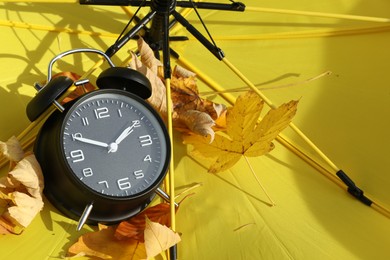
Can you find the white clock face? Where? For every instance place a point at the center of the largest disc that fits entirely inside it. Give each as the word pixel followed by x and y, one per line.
pixel 114 144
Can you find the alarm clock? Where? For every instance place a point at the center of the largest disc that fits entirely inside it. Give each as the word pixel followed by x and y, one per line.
pixel 104 154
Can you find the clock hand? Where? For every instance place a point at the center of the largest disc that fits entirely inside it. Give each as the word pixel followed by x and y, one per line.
pixel 114 146
pixel 90 141
pixel 124 134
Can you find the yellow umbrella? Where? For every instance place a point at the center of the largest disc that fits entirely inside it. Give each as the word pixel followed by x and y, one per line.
pixel 345 115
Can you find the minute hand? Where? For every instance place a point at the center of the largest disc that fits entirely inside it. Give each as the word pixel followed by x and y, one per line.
pixel 90 141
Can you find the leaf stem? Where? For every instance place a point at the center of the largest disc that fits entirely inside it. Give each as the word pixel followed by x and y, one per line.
pixel 272 203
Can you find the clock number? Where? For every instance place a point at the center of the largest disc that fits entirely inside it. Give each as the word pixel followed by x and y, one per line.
pixel 148 158
pixel 76 135
pixel 77 156
pixel 85 121
pixel 139 174
pixel 87 172
pixel 124 184
pixel 105 183
pixel 145 140
pixel 101 112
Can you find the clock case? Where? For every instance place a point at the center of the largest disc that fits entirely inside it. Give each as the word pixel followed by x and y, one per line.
pixel 67 193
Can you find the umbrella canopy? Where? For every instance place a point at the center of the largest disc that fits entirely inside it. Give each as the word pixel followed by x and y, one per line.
pixel 344 114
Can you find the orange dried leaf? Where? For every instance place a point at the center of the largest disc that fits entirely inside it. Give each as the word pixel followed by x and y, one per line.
pixel 158 238
pixel 134 227
pixel 245 134
pixel 104 245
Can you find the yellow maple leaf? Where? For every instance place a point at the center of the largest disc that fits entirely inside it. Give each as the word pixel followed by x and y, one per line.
pixel 245 135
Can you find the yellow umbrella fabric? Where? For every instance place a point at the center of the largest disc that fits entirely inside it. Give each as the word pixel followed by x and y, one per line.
pixel 346 114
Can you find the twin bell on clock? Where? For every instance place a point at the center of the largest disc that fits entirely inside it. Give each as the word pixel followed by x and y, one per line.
pixel 104 154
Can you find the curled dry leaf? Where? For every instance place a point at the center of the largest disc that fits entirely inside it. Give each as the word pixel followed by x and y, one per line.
pixel 148 65
pixel 12 150
pixel 198 122
pixel 21 190
pixel 245 135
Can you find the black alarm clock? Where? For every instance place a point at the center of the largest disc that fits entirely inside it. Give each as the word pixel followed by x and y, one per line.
pixel 105 154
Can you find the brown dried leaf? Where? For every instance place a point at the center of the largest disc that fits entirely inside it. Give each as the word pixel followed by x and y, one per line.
pixel 157 100
pixel 147 56
pixel 180 72
pixel 190 110
pixel 198 122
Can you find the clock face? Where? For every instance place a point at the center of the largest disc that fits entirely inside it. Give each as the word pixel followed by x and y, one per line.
pixel 115 143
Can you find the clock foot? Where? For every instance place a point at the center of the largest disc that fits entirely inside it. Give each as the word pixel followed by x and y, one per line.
pixel 165 196
pixel 84 217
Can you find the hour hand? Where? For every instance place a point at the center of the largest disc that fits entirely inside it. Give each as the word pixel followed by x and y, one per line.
pixel 90 141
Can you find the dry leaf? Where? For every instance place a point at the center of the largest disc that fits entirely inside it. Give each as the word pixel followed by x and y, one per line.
pixel 21 190
pixel 190 110
pixel 198 122
pixel 25 208
pixel 28 173
pixel 245 135
pixel 158 238
pixel 158 98
pixel 104 245
pixel 134 227
pixel 12 149
pixel 147 56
